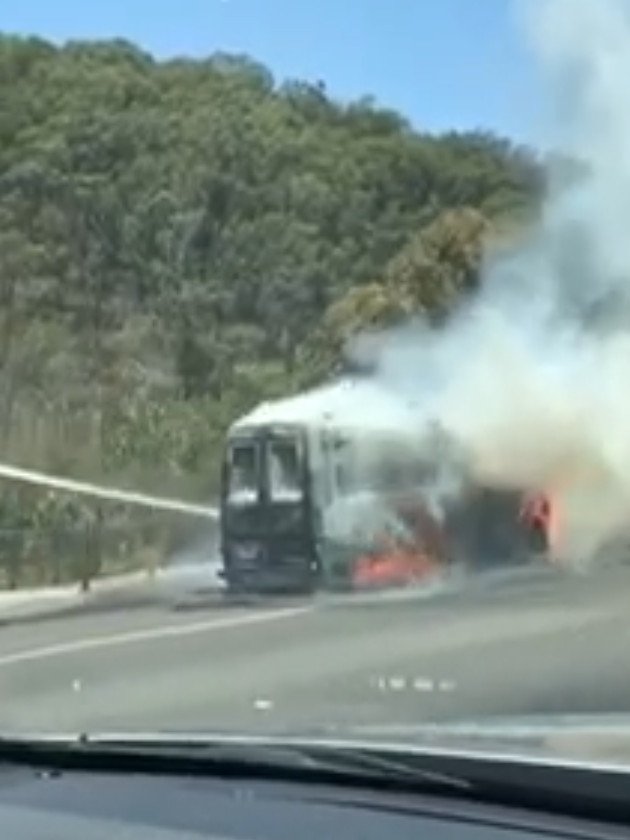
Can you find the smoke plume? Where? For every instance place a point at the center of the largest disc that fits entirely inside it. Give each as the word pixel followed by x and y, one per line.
pixel 532 380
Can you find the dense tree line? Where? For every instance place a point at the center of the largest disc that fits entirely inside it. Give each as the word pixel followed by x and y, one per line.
pixel 180 239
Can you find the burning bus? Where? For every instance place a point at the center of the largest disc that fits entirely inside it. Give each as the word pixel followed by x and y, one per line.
pixel 336 488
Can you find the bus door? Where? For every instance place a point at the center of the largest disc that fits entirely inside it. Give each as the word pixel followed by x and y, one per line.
pixel 291 527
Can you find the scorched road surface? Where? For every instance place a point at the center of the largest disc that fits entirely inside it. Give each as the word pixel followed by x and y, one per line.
pixel 536 645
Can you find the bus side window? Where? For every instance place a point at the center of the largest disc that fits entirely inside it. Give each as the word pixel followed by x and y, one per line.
pixel 387 473
pixel 327 478
pixel 343 468
pixel 341 477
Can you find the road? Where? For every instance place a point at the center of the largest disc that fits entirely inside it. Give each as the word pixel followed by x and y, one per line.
pixel 534 646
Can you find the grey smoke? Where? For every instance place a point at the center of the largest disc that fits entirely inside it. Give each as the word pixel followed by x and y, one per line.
pixel 531 381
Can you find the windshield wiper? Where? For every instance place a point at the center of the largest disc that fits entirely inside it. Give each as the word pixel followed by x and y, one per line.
pixel 230 757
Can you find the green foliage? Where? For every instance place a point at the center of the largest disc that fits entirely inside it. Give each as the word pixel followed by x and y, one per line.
pixel 181 239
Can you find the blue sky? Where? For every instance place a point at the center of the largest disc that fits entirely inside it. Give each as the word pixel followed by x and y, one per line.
pixel 443 63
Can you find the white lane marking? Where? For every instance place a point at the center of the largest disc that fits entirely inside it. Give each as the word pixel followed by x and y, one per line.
pixel 417 683
pixel 148 635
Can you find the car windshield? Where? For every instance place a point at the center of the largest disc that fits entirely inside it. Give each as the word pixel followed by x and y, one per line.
pixel 314 364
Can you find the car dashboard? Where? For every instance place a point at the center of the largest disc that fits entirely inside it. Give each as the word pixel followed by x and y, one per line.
pixel 77 805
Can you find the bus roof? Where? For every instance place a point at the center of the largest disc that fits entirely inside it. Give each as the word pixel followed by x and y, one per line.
pixel 359 404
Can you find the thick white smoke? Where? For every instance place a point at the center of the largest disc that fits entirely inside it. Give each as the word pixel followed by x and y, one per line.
pixel 532 381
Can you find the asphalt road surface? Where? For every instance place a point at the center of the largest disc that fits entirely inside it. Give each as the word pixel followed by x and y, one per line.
pixel 537 645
